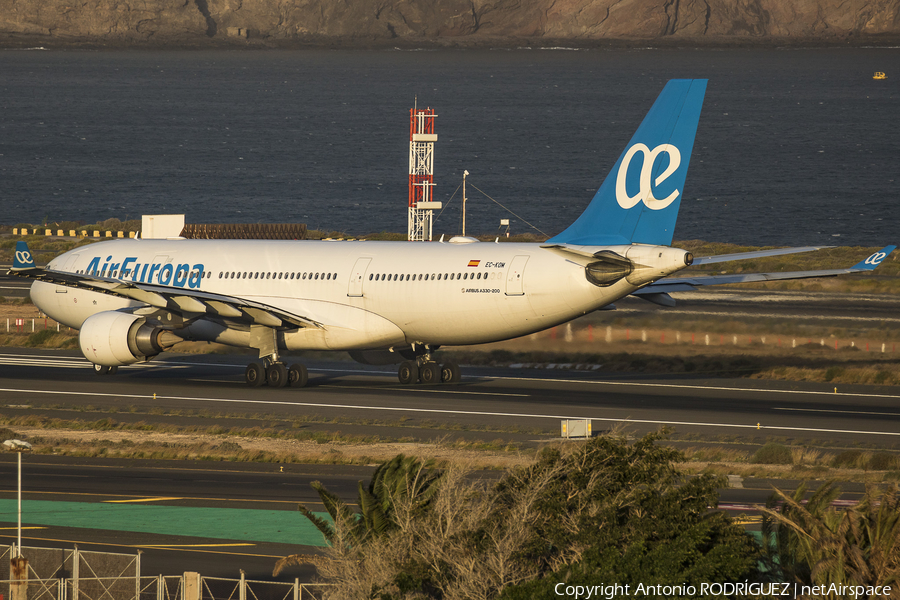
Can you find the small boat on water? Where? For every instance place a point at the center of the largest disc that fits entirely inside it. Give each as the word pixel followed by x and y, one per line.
pixel 879 75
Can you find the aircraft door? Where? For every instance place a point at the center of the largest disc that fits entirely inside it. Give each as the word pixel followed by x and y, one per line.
pixel 514 276
pixel 357 275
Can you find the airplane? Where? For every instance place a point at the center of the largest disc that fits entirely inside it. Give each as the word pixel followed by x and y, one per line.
pixel 393 302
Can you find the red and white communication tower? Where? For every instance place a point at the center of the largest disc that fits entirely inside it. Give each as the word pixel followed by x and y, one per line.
pixel 421 174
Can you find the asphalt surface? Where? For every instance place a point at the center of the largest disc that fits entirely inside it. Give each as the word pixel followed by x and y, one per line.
pixel 523 406
pixel 528 403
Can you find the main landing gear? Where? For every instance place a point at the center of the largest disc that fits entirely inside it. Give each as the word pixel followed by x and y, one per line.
pixel 104 370
pixel 425 370
pixel 276 374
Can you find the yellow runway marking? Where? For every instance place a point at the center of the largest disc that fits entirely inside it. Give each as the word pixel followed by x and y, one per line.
pixel 192 545
pixel 16 528
pixel 139 500
pixel 174 549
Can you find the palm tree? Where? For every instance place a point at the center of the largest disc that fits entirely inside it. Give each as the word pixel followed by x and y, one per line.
pixel 400 489
pixel 813 543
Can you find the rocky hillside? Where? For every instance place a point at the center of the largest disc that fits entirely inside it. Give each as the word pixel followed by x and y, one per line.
pixel 444 22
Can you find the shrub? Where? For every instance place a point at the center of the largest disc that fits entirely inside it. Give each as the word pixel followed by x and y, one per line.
pixel 847 458
pixel 772 454
pixel 883 461
pixel 833 372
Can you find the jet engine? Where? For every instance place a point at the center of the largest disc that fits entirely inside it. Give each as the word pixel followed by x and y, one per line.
pixel 113 338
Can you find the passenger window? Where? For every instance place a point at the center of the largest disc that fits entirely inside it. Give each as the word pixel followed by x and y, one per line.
pixel 329 277
pixel 317 276
pixel 370 277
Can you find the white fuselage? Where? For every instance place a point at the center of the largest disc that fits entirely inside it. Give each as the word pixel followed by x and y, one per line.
pixel 362 294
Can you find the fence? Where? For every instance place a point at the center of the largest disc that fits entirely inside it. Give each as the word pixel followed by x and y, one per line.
pixel 31 325
pixel 567 334
pixel 62 574
pixel 190 586
pixel 83 233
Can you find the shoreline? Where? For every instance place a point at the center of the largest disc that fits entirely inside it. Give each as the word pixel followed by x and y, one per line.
pixel 14 41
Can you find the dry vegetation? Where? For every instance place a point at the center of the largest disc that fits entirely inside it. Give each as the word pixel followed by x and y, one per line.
pixel 290 442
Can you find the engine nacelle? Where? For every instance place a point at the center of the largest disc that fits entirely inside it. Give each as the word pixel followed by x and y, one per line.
pixel 113 338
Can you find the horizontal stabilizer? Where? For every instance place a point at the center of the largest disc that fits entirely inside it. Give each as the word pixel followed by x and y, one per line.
pixel 686 284
pixel 720 258
pixel 661 298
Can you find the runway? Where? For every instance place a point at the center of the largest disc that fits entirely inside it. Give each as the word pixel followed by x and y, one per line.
pixel 532 400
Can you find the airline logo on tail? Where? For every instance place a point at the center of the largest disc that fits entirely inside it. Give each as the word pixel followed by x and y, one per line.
pixel 23 258
pixel 639 199
pixel 645 193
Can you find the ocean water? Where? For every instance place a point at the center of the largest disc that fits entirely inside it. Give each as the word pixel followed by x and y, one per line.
pixel 795 146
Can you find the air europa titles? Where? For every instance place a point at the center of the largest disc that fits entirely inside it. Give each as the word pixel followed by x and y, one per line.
pixel 160 273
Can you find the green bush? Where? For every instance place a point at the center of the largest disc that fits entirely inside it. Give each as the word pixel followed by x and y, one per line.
pixel 40 338
pixel 848 458
pixel 833 372
pixel 772 454
pixel 883 461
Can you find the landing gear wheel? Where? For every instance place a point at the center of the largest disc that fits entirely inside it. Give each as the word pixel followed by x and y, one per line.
pixel 430 373
pixel 102 369
pixel 255 375
pixel 450 373
pixel 277 375
pixel 408 372
pixel 297 376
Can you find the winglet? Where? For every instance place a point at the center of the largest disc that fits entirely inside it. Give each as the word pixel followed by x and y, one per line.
pixel 22 259
pixel 874 260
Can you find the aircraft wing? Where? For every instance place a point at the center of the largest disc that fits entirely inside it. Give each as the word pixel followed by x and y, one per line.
pixel 187 302
pixel 685 284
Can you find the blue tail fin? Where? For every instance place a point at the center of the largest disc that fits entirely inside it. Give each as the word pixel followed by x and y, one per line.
pixel 22 259
pixel 639 199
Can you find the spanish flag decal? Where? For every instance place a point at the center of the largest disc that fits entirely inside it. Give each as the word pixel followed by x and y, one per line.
pixel 474 263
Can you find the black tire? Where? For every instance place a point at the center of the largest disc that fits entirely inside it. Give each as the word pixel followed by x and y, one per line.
pixel 408 372
pixel 113 370
pixel 101 369
pixel 277 375
pixel 450 373
pixel 298 376
pixel 255 375
pixel 430 373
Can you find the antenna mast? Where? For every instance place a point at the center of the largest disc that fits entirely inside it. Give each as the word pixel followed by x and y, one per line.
pixel 421 174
